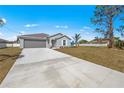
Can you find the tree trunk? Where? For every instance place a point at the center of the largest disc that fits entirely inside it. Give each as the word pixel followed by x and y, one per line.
pixel 111 38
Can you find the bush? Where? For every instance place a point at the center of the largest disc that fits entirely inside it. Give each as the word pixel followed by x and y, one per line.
pixel 119 44
pixel 83 41
pixel 72 43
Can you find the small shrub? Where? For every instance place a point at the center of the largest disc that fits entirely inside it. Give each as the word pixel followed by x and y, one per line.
pixel 119 44
pixel 72 43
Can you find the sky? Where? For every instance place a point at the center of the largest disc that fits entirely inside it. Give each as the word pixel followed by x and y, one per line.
pixel 47 19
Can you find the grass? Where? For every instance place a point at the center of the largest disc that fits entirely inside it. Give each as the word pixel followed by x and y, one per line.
pixel 7 59
pixel 111 58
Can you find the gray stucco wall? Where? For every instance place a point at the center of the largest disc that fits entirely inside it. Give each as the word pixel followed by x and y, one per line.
pixel 21 41
pixel 47 44
pixel 59 42
pixel 54 37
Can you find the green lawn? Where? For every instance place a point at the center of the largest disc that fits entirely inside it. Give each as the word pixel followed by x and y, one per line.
pixel 7 59
pixel 111 58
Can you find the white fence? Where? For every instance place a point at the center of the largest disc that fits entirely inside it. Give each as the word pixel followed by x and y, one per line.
pixel 97 45
pixel 13 45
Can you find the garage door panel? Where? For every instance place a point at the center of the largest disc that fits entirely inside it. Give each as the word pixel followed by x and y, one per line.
pixel 34 43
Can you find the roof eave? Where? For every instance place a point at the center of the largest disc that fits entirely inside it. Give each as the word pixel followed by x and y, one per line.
pixel 32 38
pixel 63 36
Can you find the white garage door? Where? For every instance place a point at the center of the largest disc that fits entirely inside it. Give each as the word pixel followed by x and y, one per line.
pixel 34 43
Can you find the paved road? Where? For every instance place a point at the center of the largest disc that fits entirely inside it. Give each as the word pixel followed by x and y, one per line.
pixel 42 67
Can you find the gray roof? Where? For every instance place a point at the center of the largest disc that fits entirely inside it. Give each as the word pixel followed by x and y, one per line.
pixel 56 34
pixel 41 36
pixel 60 37
pixel 38 36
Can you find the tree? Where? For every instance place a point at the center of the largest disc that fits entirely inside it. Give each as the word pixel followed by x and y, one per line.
pixel 118 43
pixel 96 38
pixel 121 28
pixel 72 43
pixel 104 18
pixel 83 41
pixel 76 38
pixel 2 21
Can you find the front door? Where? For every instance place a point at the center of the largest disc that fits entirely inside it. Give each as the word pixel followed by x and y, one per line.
pixel 53 43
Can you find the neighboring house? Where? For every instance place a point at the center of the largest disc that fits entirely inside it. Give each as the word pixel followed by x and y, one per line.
pixel 42 40
pixel 99 41
pixel 3 43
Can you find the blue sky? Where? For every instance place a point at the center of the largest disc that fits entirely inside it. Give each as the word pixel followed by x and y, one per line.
pixel 47 19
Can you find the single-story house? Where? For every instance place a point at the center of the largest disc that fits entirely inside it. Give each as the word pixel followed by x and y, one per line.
pixel 3 43
pixel 42 40
pixel 100 41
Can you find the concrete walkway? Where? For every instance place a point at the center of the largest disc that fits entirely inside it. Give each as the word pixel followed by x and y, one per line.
pixel 48 68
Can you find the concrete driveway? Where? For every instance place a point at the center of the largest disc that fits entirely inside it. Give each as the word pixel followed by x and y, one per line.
pixel 42 67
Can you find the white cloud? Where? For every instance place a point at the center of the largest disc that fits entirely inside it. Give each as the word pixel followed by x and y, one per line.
pixel 87 33
pixel 31 25
pixel 62 26
pixel 1 34
pixel 65 26
pixel 12 38
pixel 82 30
pixel 86 28
pixel 57 26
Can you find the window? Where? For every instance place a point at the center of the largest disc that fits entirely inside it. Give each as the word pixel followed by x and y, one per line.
pixel 64 42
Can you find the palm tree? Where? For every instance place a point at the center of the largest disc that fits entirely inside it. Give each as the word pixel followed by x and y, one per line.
pixel 76 38
pixel 2 21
